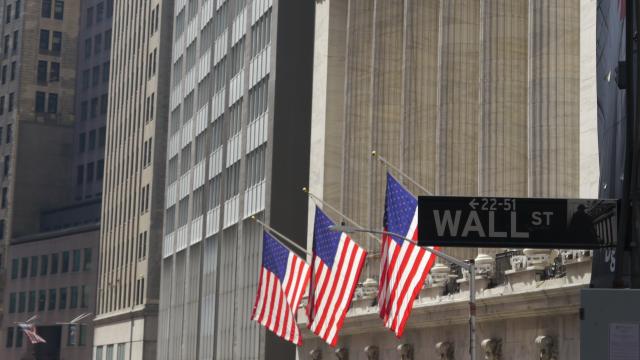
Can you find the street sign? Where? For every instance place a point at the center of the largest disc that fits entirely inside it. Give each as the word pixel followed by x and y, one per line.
pixel 516 222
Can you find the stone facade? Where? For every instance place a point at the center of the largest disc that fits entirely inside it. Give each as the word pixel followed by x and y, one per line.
pixel 468 98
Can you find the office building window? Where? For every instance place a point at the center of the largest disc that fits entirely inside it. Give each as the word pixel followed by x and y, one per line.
pixel 63 299
pixel 65 262
pixel 104 100
pixel 42 71
pixel 11 95
pixel 9 133
pixel 87 260
pixel 46 8
pixel 14 66
pixel 90 172
pixel 5 200
pixel 98 353
pixel 105 72
pixel 99 11
pixel 12 303
pixel 22 301
pixel 34 266
pixel 86 79
pixel 97 44
pixel 81 142
pixel 89 18
pixel 8 14
pixel 73 303
pixel 54 73
pixel 7 164
pixel 87 48
pixel 19 335
pixel 84 111
pixel 15 40
pixel 92 139
pixel 56 42
pixel 44 40
pixel 80 175
pixel 102 133
pixel 53 103
pixel 58 12
pixel 31 305
pixel 84 295
pixel 4 74
pixel 96 75
pixel 75 264
pixel 52 299
pixel 42 300
pixel 10 337
pixel 107 40
pixel 18 9
pixel 7 40
pixel 14 268
pixel 54 263
pixel 100 169
pixel 94 108
pixel 1 106
pixel 120 352
pixel 44 265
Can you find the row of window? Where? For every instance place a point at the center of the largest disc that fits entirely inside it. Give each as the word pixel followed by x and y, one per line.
pixel 16 13
pixel 58 299
pixel 92 144
pixel 50 41
pixel 8 44
pixel 96 46
pixel 46 103
pixel 48 72
pixel 81 336
pixel 90 110
pixel 147 152
pixel 50 264
pixel 96 169
pixel 92 77
pixel 11 103
pixel 58 9
pixel 12 75
pixel 99 12
pixel 107 351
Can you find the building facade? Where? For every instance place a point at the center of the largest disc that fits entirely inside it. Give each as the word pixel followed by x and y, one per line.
pixel 237 147
pixel 52 275
pixel 468 98
pixel 92 99
pixel 133 197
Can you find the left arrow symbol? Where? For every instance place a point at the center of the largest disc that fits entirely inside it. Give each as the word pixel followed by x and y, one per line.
pixel 473 203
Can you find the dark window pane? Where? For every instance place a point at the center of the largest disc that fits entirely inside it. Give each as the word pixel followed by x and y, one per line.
pixel 80 175
pixel 40 101
pixel 12 303
pixel 24 267
pixel 44 265
pixel 46 8
pixel 65 261
pixel 76 260
pixel 32 301
pixel 54 263
pixel 22 299
pixel 44 40
pixel 42 299
pixel 54 74
pixel 42 71
pixel 52 299
pixel 58 12
pixel 56 42
pixel 34 266
pixel 14 268
pixel 74 298
pixel 53 103
pixel 87 259
pixel 63 298
pixel 9 337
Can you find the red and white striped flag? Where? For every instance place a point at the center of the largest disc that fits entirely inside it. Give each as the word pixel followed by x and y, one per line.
pixel 30 331
pixel 404 266
pixel 337 262
pixel 284 278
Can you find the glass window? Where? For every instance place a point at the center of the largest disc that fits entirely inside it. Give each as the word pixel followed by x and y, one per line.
pixel 104 100
pixel 40 101
pixel 54 73
pixel 14 65
pixel 84 110
pixel 42 71
pixel 96 75
pixel 14 268
pixel 34 266
pixel 44 40
pixel 87 259
pixel 82 335
pixel 87 48
pixel 99 353
pixel 10 102
pixel 52 299
pixel 82 142
pixel 46 8
pixel 1 106
pixel 80 175
pixel 18 338
pixel 12 303
pixel 63 299
pixel 54 263
pixel 109 352
pixel 102 134
pixel 90 172
pixel 58 12
pixel 74 298
pixel 8 13
pixel 32 301
pixel 9 337
pixel 99 11
pixel 76 261
pixel 15 40
pixel 65 261
pixel 44 264
pixel 100 169
pixel 7 165
pixel 56 42
pixel 5 199
pixel 107 40
pixel 42 299
pixel 72 331
pixel 94 108
pixel 105 72
pixel 97 44
pixel 4 74
pixel 92 139
pixel 53 103
pixel 24 267
pixel 22 299
pixel 9 133
pixel 18 9
pixel 89 17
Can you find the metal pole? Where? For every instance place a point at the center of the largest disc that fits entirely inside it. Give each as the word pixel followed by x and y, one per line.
pixel 289 241
pixel 392 167
pixel 472 310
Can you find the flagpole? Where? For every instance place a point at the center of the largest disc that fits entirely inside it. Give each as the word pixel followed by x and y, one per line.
pixel 289 241
pixel 324 203
pixel 392 167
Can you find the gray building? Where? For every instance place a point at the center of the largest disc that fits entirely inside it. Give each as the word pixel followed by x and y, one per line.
pixel 133 197
pixel 53 274
pixel 238 145
pixel 92 98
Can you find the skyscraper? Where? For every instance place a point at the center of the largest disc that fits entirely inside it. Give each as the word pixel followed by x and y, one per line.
pixel 133 198
pixel 238 146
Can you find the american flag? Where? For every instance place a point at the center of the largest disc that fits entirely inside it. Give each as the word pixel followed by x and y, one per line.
pixel 404 266
pixel 30 331
pixel 284 278
pixel 337 262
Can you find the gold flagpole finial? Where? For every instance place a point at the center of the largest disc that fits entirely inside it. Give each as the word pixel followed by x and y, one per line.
pixel 305 190
pixel 374 153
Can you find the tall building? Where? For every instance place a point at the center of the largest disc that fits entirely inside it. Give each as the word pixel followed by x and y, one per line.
pixel 92 84
pixel 133 197
pixel 490 98
pixel 237 146
pixel 53 275
pixel 37 77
